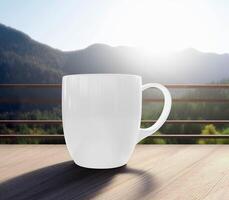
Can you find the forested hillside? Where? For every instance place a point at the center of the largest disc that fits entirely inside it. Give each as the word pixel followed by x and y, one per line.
pixel 24 60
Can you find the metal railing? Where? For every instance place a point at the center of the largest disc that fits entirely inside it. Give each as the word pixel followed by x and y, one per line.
pixel 165 136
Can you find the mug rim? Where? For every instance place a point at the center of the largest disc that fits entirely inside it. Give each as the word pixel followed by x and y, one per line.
pixel 103 74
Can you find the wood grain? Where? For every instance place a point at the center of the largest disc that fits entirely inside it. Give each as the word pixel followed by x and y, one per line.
pixel 154 172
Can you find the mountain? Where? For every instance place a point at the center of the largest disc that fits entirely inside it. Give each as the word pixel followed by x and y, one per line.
pixel 24 60
pixel 187 66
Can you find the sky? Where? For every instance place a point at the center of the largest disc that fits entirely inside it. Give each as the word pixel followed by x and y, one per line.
pixel 153 25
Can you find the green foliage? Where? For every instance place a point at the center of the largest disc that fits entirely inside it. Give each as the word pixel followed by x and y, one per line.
pixel 208 130
pixel 225 131
pixel 32 129
pixel 23 60
pixel 224 141
pixel 151 140
pixel 211 130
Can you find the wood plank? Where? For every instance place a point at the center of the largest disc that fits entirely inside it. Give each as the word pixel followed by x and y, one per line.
pixel 154 172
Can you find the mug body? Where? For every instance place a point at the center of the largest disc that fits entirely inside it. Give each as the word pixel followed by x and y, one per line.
pixel 101 118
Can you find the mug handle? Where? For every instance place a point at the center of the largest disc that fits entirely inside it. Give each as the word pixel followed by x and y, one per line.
pixel 145 132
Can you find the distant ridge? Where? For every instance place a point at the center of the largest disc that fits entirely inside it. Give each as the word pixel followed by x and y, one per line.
pixel 24 60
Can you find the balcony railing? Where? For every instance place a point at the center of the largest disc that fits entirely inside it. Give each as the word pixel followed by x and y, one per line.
pixel 163 136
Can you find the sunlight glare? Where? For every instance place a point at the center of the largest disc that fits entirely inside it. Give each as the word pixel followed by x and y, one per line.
pixel 157 26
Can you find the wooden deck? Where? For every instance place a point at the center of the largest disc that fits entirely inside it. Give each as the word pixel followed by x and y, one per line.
pixel 154 172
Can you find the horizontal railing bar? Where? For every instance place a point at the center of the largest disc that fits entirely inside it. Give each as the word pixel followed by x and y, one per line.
pixel 30 121
pixel 197 86
pixel 58 101
pixel 143 121
pixel 167 85
pixel 30 85
pixel 32 136
pixel 163 136
pixel 30 101
pixel 189 136
pixel 190 100
pixel 190 121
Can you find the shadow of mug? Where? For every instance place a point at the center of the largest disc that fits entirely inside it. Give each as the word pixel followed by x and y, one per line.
pixel 69 181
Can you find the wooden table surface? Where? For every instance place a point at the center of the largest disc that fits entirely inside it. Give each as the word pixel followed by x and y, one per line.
pixel 154 172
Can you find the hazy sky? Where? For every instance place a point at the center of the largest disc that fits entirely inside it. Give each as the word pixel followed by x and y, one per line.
pixel 156 25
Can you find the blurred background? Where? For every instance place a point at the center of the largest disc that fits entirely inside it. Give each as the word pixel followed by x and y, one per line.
pixel 170 42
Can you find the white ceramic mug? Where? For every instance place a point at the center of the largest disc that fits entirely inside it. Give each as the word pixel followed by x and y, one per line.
pixel 102 115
